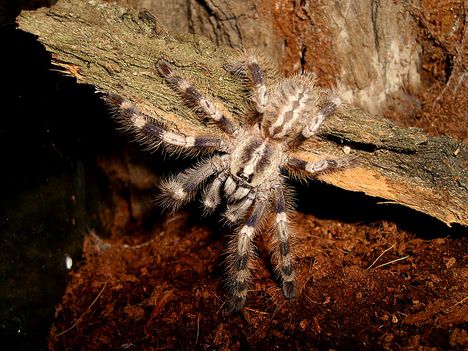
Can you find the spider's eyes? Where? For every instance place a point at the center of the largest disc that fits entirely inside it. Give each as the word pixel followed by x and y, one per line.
pixel 246 177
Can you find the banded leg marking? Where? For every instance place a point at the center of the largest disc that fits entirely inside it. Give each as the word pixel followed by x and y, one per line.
pixel 181 189
pixel 260 92
pixel 283 255
pixel 241 254
pixel 314 124
pixel 197 99
pixel 212 196
pixel 247 66
pixel 153 133
pixel 236 211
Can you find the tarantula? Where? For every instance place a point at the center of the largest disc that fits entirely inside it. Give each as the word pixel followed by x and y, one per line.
pixel 246 167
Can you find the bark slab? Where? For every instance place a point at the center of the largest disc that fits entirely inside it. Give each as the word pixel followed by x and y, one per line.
pixel 114 49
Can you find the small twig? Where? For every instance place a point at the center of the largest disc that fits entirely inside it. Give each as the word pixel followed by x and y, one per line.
pixel 198 330
pixel 312 301
pixel 256 311
pixel 139 246
pixel 211 292
pixel 383 253
pixel 221 307
pixel 279 307
pixel 388 263
pixel 87 309
pixel 459 302
pixel 99 243
pixel 176 217
pixel 460 81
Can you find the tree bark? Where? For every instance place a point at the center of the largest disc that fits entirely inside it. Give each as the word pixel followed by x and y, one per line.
pixel 114 49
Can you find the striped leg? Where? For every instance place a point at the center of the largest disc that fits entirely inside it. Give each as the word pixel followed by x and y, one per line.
pixel 152 133
pixel 313 125
pixel 248 66
pixel 283 256
pixel 196 99
pixel 182 188
pixel 319 166
pixel 260 92
pixel 241 252
pixel 212 195
pixel 236 211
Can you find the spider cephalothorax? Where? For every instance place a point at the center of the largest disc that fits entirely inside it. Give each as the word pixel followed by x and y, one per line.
pixel 246 168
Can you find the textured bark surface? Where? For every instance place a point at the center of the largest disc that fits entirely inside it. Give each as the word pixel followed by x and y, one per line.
pixel 114 49
pixel 405 60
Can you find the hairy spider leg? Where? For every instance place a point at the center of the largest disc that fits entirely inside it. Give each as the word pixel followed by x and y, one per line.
pixel 196 99
pixel 181 189
pixel 282 254
pixel 316 121
pixel 212 193
pixel 260 96
pixel 236 211
pixel 241 253
pixel 247 66
pixel 152 133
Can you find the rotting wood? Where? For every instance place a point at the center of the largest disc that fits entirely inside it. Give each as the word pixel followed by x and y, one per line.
pixel 114 49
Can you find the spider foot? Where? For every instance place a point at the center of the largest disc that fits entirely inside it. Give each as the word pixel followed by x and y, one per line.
pixel 289 289
pixel 235 303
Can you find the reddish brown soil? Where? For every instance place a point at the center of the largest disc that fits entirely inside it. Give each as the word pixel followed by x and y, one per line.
pixel 163 290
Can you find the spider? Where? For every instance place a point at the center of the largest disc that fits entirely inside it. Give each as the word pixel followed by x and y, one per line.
pixel 246 168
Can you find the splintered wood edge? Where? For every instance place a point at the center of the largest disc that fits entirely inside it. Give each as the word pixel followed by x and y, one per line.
pixel 373 184
pixel 77 33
